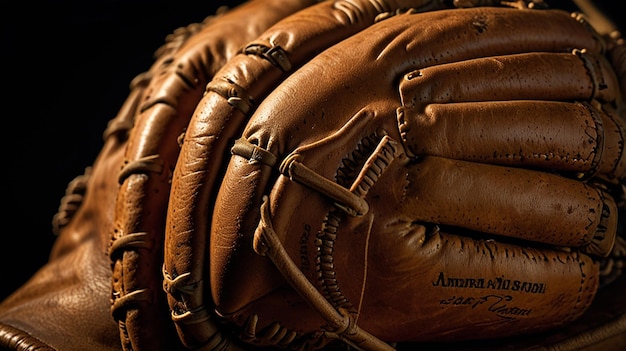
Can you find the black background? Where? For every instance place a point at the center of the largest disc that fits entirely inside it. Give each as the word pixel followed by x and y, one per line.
pixel 66 70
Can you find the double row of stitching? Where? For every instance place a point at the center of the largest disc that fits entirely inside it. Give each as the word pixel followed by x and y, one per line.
pixel 380 157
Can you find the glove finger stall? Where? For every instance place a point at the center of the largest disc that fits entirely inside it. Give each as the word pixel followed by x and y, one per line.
pixel 290 124
pixel 230 97
pixel 555 144
pixel 151 152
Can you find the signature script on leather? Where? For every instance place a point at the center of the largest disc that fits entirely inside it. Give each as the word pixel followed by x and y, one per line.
pixel 497 304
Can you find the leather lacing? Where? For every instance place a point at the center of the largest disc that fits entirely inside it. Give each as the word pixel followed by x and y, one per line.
pixel 235 94
pixel 382 151
pixel 274 54
pixel 341 324
pixel 147 164
pixel 74 194
pixel 361 171
pixel 71 201
pixel 120 127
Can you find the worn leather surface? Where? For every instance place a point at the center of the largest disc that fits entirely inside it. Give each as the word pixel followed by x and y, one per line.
pixel 140 265
pixel 387 127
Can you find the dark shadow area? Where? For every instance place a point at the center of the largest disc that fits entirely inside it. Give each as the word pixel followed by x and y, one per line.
pixel 67 70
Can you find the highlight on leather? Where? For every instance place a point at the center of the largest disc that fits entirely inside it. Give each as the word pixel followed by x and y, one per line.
pixel 351 175
pixel 230 99
pixel 177 85
pixel 387 268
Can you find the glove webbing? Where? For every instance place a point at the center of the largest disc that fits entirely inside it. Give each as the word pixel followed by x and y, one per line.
pixel 267 243
pixel 351 203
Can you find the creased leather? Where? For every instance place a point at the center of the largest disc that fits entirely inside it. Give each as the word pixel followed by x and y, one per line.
pixel 370 175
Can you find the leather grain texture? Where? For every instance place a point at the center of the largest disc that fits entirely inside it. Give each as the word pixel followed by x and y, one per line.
pixel 367 175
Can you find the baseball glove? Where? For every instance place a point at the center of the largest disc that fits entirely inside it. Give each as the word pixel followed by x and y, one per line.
pixel 355 174
pixel 436 175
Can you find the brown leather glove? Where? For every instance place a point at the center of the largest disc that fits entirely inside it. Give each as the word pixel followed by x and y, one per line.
pixel 67 304
pixel 417 181
pixel 403 174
